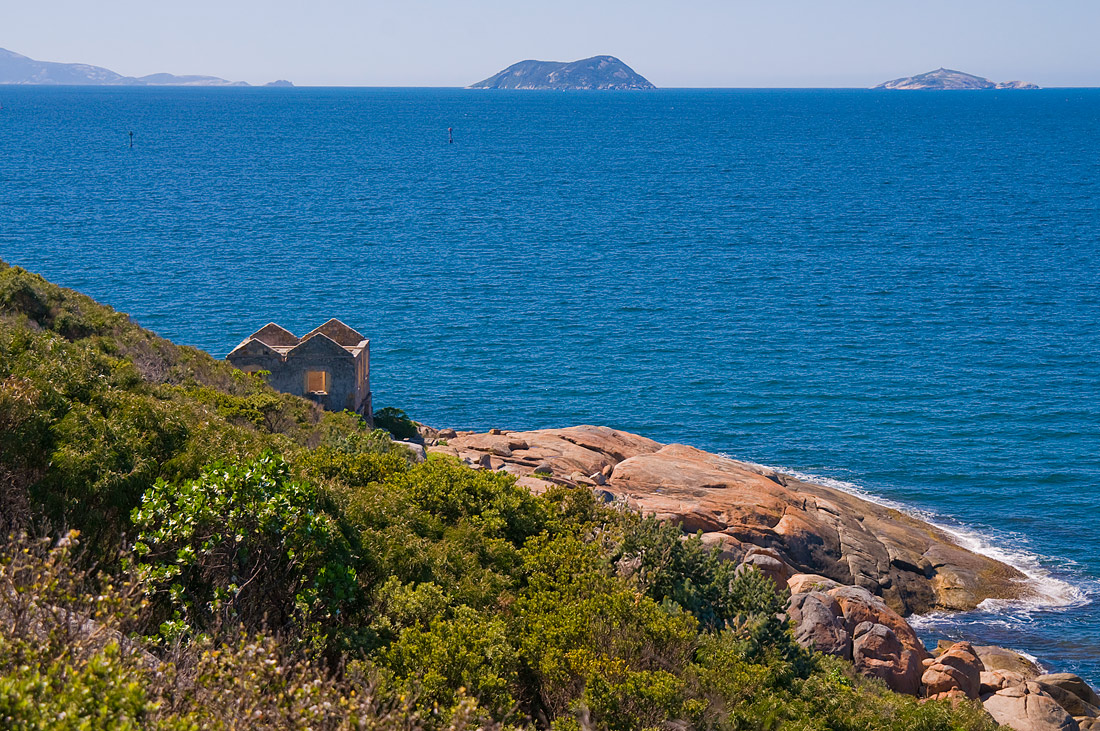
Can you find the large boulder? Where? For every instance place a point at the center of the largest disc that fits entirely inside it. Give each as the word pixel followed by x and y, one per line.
pixel 1072 693
pixel 995 680
pixel 1073 683
pixel 1027 708
pixel 955 672
pixel 858 605
pixel 768 562
pixel 878 653
pixel 1000 658
pixel 818 624
pixel 802 583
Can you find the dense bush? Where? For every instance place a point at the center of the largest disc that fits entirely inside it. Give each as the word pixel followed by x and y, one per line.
pixel 396 422
pixel 65 663
pixel 244 542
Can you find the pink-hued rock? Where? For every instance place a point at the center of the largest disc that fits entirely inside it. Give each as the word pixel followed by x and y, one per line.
pixel 802 583
pixel 818 624
pixel 730 549
pixel 858 605
pixel 878 653
pixel 958 669
pixel 1027 708
pixel 1072 693
pixel 813 529
pixel 995 680
pixel 768 562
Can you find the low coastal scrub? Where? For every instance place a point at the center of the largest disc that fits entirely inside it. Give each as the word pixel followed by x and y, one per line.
pixel 188 549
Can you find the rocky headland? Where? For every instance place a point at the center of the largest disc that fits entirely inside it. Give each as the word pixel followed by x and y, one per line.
pixel 813 529
pixel 598 72
pixel 949 79
pixel 18 69
pixel 854 568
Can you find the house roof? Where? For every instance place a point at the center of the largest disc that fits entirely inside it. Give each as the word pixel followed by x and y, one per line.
pixel 319 344
pixel 275 336
pixel 272 337
pixel 252 346
pixel 339 332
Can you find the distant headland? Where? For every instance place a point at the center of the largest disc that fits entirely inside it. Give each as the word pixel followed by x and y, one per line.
pixel 19 69
pixel 943 78
pixel 598 72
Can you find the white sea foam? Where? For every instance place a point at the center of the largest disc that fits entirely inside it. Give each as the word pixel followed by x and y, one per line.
pixel 1050 592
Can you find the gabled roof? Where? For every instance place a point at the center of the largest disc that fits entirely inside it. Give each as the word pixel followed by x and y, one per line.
pixel 319 344
pixel 251 346
pixel 338 332
pixel 275 336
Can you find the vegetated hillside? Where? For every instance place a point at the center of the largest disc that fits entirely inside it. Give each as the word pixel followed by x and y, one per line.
pixel 18 69
pixel 246 561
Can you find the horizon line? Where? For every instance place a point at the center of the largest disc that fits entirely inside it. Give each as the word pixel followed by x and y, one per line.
pixel 267 87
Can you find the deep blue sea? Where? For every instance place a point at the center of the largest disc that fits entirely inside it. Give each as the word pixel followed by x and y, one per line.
pixel 897 291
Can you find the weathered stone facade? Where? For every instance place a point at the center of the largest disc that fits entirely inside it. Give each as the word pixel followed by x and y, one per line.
pixel 329 365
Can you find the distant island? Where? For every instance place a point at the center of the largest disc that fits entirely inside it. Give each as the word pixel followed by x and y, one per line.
pixel 598 72
pixel 18 69
pixel 943 78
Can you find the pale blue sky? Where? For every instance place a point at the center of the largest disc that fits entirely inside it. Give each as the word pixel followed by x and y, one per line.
pixel 686 43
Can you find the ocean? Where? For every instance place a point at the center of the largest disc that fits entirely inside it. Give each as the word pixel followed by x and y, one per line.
pixel 893 292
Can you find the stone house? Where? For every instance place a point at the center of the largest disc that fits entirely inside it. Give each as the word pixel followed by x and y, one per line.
pixel 329 365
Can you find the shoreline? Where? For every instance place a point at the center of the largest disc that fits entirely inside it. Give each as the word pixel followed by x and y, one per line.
pixel 720 497
pixel 972 539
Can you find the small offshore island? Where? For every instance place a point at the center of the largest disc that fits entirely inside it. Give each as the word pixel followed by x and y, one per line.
pixel 947 79
pixel 184 545
pixel 605 73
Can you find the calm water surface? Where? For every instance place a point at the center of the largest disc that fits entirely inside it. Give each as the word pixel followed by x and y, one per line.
pixel 896 291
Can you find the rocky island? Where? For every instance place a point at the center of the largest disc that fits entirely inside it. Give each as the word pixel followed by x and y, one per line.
pixel 948 79
pixel 598 72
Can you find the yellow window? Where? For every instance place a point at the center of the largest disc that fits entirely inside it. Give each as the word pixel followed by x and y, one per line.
pixel 317 382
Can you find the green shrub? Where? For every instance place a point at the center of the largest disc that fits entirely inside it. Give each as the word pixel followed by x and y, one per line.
pixel 245 543
pixel 469 650
pixel 396 422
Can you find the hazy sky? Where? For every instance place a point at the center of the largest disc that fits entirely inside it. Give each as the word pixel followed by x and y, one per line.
pixel 684 43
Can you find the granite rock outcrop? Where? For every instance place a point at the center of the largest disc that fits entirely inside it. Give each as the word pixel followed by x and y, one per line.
pixel 738 506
